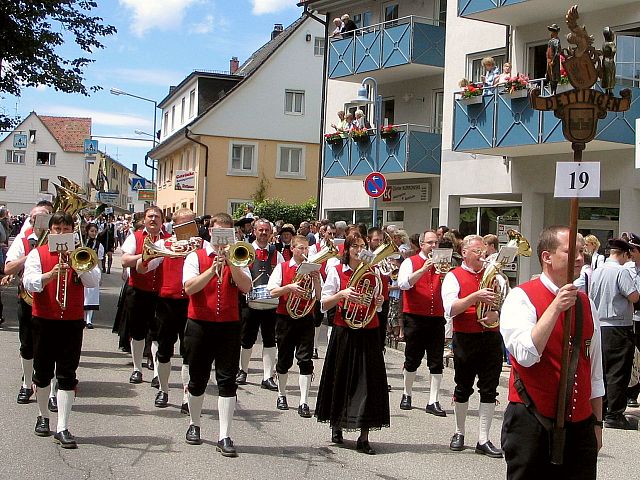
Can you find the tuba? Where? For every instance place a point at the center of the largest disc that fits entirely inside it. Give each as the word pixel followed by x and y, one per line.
pixel 494 279
pixel 299 306
pixel 366 281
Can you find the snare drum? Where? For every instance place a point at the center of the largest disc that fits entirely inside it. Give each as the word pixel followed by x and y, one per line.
pixel 259 298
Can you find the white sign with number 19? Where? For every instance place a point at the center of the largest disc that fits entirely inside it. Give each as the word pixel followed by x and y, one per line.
pixel 577 179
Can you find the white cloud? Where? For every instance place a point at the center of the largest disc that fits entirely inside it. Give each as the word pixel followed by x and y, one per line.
pixel 261 7
pixel 162 14
pixel 205 26
pixel 99 117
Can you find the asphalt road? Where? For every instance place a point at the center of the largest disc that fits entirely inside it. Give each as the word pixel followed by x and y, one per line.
pixel 121 435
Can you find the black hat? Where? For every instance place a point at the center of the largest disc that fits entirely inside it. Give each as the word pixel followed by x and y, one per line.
pixel 287 227
pixel 243 221
pixel 553 27
pixel 634 240
pixel 619 244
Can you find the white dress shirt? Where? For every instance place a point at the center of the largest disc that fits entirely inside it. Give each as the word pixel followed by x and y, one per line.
pixel 16 250
pixel 406 270
pixel 32 279
pixel 191 267
pixel 451 289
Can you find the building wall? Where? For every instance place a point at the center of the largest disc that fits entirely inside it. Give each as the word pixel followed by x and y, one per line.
pixel 183 158
pixel 180 119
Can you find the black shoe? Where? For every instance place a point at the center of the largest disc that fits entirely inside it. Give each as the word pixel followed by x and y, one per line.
pixel 24 395
pixel 303 411
pixel 435 409
pixel 269 384
pixel 457 442
pixel 65 439
pixel 315 354
pixel 389 388
pixel 281 403
pixel 155 383
pixel 364 447
pixel 184 408
pixel 336 436
pixel 90 326
pixel 489 450
pixel 162 399
pixel 136 377
pixel 42 427
pixel 620 422
pixel 53 404
pixel 149 363
pixel 405 403
pixel 632 403
pixel 193 435
pixel 226 448
pixel 241 378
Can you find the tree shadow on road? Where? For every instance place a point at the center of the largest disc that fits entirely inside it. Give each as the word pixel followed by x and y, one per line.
pixel 105 389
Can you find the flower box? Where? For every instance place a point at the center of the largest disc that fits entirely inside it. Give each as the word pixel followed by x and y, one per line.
pixel 564 87
pixel 389 132
pixel 518 93
pixel 471 100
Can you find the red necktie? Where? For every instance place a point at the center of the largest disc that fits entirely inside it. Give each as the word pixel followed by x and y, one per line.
pixel 261 254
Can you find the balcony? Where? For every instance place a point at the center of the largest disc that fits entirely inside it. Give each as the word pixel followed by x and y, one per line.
pixel 501 125
pixel 416 149
pixel 413 45
pixel 527 12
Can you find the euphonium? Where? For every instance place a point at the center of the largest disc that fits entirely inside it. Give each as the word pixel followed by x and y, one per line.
pixel 299 306
pixel 366 282
pixel 494 279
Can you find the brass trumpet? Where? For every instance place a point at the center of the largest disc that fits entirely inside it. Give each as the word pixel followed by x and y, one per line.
pixel 151 251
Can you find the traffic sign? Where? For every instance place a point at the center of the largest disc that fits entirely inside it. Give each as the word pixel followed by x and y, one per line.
pixel 90 146
pixel 375 184
pixel 19 140
pixel 137 183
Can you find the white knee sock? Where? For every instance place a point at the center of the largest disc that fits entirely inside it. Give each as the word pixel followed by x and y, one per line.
pixel 164 369
pixel 245 358
pixel 316 337
pixel 282 384
pixel 27 372
pixel 184 373
pixel 268 362
pixel 409 378
pixel 195 408
pixel 460 410
pixel 154 355
pixel 329 329
pixel 54 387
pixel 226 406
pixel 305 383
pixel 436 380
pixel 65 402
pixel 42 397
pixel 137 350
pixel 485 413
pixel 88 316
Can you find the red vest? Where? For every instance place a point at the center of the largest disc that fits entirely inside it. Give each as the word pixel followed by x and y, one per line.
pixel 216 302
pixel 541 380
pixel 344 280
pixel 425 297
pixel 467 321
pixel 45 304
pixel 288 273
pixel 150 281
pixel 172 278
pixel 26 245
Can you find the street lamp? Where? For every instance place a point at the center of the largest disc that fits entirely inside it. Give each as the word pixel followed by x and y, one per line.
pixel 363 97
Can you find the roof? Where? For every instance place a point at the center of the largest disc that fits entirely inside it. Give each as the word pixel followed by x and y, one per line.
pixel 69 132
pixel 198 74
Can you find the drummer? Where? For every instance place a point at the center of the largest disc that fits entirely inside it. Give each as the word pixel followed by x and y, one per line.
pixel 260 311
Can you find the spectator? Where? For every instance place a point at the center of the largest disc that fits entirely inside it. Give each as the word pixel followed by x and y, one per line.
pixel 592 245
pixel 341 228
pixel 505 75
pixel 490 77
pixel 361 121
pixel 348 26
pixel 442 229
pixel 337 32
pixel 342 125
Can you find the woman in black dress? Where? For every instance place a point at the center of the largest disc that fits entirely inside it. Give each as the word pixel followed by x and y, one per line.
pixel 353 390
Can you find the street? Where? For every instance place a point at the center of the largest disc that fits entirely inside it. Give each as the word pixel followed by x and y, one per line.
pixel 121 435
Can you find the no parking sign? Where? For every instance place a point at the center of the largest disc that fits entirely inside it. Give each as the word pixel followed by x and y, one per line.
pixel 375 184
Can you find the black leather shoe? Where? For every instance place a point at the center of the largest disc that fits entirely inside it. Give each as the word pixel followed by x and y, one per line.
pixel 269 384
pixel 90 326
pixel 489 450
pixel 336 436
pixel 162 399
pixel 281 403
pixel 53 404
pixel 193 435
pixel 241 378
pixel 24 395
pixel 632 403
pixel 405 403
pixel 435 409
pixel 42 427
pixel 303 411
pixel 184 408
pixel 149 363
pixel 226 448
pixel 65 439
pixel 155 383
pixel 136 377
pixel 315 354
pixel 364 447
pixel 457 442
pixel 620 422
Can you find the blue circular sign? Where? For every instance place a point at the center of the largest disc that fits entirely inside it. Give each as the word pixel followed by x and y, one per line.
pixel 375 184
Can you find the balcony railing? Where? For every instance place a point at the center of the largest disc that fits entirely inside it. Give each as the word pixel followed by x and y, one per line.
pixel 415 149
pixel 502 125
pixel 407 40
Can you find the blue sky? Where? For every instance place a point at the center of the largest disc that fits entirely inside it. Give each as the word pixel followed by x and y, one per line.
pixel 159 42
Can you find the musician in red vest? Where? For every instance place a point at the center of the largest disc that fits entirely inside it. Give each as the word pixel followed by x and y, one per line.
pixel 423 322
pixel 294 335
pixel 531 322
pixel 212 332
pixel 284 244
pixel 57 329
pixel 14 264
pixel 477 349
pixel 140 303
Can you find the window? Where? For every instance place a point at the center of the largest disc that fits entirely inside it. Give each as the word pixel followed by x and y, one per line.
pixel 44 185
pixel 442 12
pixel 537 61
pixel 242 159
pixel 290 161
pixel 32 136
pixel 438 103
pixel 395 216
pixel 628 57
pixel 362 19
pixel 390 12
pixel 318 46
pixel 114 173
pixel 3 183
pixel 294 102
pixel 182 105
pixel 192 102
pixel 474 63
pixel 173 118
pixel 15 156
pixel 353 216
pixel 45 158
pixel 166 124
pixel 235 205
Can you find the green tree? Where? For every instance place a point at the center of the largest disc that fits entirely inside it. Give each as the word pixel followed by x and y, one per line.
pixel 276 209
pixel 32 33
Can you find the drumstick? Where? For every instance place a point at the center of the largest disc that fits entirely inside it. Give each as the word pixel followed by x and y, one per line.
pixel 255 279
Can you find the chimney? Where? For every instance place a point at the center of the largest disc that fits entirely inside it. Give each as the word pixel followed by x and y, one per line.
pixel 277 30
pixel 134 167
pixel 233 65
